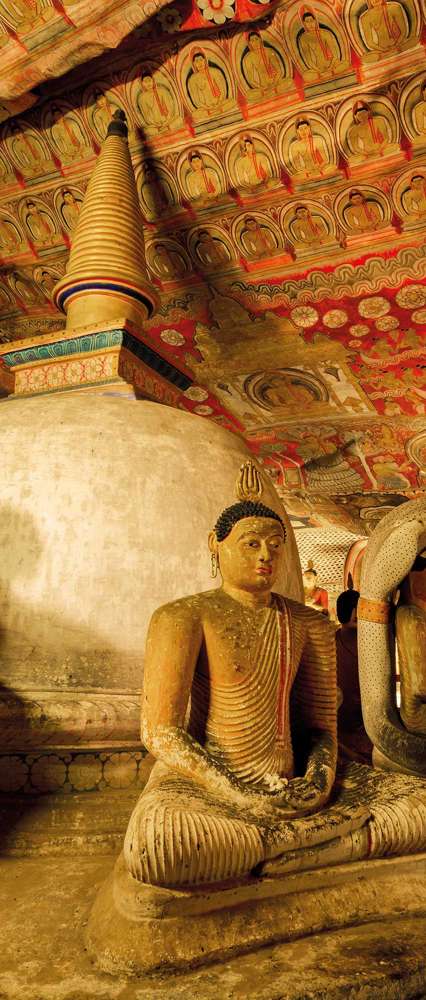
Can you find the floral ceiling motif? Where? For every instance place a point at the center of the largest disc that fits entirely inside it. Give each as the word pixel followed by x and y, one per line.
pixel 280 158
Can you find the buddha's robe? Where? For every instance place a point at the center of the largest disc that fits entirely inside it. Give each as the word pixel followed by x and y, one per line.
pixel 179 833
pixel 207 88
pixel 310 155
pixel 384 28
pixel 369 138
pixel 419 116
pixel 157 107
pixel 263 68
pixel 252 169
pixel 320 51
pixel 202 183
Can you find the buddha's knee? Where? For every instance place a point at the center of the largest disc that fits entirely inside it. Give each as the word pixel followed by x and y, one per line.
pixel 167 846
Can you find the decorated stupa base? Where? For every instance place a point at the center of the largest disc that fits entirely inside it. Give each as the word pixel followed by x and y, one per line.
pixel 100 354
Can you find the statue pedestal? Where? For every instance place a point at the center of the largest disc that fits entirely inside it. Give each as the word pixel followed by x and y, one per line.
pixel 135 929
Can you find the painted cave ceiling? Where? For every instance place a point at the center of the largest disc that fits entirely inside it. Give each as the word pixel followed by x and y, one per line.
pixel 280 157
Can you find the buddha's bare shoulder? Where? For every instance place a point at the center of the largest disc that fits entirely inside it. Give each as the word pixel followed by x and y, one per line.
pixel 186 610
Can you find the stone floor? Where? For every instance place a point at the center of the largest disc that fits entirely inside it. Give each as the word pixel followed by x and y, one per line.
pixel 45 901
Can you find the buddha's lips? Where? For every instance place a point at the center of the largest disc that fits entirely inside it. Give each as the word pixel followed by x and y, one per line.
pixel 264 571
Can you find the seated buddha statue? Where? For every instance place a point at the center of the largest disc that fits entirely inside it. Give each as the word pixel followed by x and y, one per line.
pixel 239 710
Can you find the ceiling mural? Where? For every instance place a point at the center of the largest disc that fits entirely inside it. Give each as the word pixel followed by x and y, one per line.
pixel 280 158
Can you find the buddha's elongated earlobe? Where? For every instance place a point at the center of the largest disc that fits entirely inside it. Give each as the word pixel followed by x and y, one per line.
pixel 214 564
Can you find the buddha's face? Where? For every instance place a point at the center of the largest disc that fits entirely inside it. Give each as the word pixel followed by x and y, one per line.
pixel 361 116
pixel 251 224
pixel 249 557
pixel 197 164
pixel 309 581
pixel 417 183
pixel 301 213
pixel 254 43
pixel 199 63
pixel 303 131
pixel 356 199
pixel 147 83
pixel 309 24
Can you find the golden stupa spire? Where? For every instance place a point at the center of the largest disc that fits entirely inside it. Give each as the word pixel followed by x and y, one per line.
pixel 106 275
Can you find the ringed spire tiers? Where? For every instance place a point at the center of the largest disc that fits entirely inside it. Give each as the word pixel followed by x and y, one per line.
pixel 106 274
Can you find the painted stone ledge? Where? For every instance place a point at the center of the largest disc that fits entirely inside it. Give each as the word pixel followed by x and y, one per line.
pixel 109 354
pixel 65 771
pixel 31 719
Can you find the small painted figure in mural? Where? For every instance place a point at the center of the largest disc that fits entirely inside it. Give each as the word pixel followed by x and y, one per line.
pixel 17 15
pixel 419 111
pixel 156 103
pixel 24 288
pixel 10 239
pixel 257 239
pixel 202 181
pixel 211 250
pixel 101 113
pixel 388 474
pixel 308 228
pixel 414 198
pixel 167 262
pixel 319 48
pixel 27 151
pixel 308 152
pixel 252 167
pixel 70 209
pixel 370 134
pixel 384 27
pixel 283 390
pixel 156 194
pixel 40 224
pixel 67 135
pixel 362 214
pixel 207 85
pixel 47 282
pixel 262 66
pixel 6 174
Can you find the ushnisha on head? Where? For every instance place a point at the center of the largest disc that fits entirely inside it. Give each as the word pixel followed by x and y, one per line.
pixel 248 538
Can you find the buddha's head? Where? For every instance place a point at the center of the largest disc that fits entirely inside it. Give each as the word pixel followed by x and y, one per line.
pixel 199 62
pixel 254 41
pixel 303 128
pixel 251 223
pixel 309 21
pixel 248 541
pixel 301 212
pixel 417 182
pixel 356 198
pixel 196 162
pixel 361 113
pixel 147 82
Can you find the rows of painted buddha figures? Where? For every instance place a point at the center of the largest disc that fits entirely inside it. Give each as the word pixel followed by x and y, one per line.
pixel 365 128
pixel 295 227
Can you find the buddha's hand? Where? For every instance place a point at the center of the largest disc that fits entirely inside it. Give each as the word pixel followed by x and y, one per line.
pixel 302 796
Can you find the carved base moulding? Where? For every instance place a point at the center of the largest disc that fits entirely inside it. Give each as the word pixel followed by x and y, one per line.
pixel 135 929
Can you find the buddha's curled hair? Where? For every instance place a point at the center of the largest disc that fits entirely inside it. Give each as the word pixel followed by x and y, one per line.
pixel 238 511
